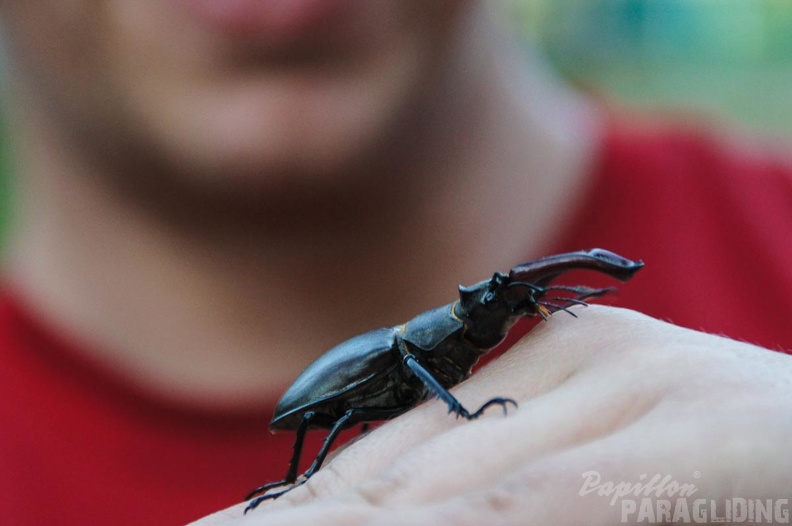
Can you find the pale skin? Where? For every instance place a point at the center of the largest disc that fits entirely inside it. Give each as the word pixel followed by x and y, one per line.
pixel 233 206
pixel 211 216
pixel 614 392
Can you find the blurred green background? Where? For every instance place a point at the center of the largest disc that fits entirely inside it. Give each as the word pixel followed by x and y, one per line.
pixel 731 58
pixel 728 58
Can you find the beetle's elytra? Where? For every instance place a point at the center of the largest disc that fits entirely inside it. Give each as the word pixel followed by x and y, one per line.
pixel 385 372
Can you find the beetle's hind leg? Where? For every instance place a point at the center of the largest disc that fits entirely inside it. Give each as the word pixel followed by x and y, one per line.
pixel 291 474
pixel 352 416
pixel 454 406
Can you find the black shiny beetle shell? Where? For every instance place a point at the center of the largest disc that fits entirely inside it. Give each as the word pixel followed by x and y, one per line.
pixel 336 374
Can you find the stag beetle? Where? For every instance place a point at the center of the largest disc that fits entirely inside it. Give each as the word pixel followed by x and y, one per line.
pixel 383 373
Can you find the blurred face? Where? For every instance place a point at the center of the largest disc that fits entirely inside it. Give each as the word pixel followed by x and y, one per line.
pixel 228 90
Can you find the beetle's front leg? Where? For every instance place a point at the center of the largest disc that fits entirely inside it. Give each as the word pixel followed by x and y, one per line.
pixel 454 406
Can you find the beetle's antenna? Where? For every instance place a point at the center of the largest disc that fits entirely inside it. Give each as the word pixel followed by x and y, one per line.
pixel 570 301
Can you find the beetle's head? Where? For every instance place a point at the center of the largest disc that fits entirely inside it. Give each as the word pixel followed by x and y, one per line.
pixel 487 313
pixel 485 298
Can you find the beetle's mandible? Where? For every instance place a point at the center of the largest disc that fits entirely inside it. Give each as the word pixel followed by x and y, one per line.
pixel 383 373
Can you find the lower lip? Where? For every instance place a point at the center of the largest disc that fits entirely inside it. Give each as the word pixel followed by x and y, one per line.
pixel 275 21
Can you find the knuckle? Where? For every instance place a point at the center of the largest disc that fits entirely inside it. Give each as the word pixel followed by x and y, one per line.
pixel 383 488
pixel 328 481
pixel 325 483
pixel 499 501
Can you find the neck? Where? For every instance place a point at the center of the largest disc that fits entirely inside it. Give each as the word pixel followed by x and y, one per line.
pixel 229 315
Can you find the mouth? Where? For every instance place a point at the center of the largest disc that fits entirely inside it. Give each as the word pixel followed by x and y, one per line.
pixel 269 22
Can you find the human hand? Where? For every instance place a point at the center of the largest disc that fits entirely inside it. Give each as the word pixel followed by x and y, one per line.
pixel 675 420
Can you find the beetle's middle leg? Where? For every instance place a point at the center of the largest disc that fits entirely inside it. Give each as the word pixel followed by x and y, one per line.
pixel 454 406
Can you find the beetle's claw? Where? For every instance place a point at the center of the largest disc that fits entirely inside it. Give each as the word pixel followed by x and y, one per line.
pixel 503 402
pixel 256 492
pixel 459 411
pixel 253 504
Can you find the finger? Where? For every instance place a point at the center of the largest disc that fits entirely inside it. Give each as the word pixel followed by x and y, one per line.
pixel 543 492
pixel 327 512
pixel 704 449
pixel 473 455
pixel 551 490
pixel 641 470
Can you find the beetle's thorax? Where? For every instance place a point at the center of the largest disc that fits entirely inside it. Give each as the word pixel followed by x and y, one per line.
pixel 435 337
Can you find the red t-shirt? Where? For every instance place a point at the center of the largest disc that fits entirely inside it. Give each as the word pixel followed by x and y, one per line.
pixel 81 445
